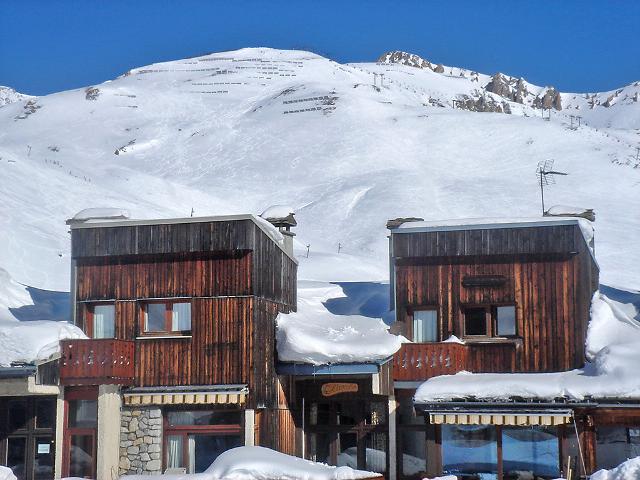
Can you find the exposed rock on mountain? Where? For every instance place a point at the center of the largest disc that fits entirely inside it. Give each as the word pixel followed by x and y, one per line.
pixel 508 87
pixel 550 99
pixel 409 59
pixel 9 95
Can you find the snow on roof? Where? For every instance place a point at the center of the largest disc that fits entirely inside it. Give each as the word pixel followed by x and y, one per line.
pixel 260 463
pixel 101 213
pixel 612 346
pixel 33 341
pixel 277 211
pixel 567 210
pixel 12 295
pixel 313 335
pixel 629 470
pixel 586 227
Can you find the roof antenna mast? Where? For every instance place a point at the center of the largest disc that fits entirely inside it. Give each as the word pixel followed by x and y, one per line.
pixel 546 176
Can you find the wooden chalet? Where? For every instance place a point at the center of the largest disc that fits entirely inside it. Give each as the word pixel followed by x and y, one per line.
pixel 180 361
pixel 497 296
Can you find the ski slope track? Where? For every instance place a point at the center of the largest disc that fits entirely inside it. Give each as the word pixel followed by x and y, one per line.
pixel 235 132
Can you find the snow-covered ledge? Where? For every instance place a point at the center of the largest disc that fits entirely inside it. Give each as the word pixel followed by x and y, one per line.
pixel 613 351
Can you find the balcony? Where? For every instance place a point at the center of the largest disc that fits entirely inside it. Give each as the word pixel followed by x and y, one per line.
pixel 421 361
pixel 96 362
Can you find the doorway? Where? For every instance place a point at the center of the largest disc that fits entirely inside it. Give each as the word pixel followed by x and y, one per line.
pixel 27 439
pixel 351 432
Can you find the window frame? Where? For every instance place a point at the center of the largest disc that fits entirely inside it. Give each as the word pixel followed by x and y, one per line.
pixel 89 327
pixel 411 311
pixel 185 431
pixel 491 319
pixel 78 393
pixel 168 318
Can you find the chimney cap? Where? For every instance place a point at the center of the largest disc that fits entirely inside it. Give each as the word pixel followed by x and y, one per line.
pixel 280 216
pixel 396 222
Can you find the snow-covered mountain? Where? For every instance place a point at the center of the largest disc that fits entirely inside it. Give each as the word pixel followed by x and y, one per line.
pixel 9 95
pixel 239 131
pixel 612 109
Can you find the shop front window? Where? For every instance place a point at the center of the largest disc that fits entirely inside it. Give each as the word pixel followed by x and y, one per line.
pixel 195 438
pixel 470 451
pixel 27 440
pixel 616 444
pixel 530 449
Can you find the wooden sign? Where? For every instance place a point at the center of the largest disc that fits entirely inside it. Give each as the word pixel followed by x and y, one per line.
pixel 484 281
pixel 331 389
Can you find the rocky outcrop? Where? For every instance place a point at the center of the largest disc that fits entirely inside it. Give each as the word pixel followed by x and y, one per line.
pixel 409 59
pixel 482 103
pixel 508 87
pixel 550 99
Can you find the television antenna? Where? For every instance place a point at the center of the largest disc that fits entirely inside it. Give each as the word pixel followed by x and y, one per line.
pixel 546 176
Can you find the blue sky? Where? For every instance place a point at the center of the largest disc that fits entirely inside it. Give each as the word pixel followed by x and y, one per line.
pixel 49 45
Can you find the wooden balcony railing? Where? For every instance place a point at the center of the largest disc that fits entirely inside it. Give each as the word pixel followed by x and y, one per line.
pixel 96 362
pixel 421 361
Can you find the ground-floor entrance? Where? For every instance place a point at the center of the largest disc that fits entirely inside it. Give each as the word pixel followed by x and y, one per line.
pixel 27 436
pixel 345 424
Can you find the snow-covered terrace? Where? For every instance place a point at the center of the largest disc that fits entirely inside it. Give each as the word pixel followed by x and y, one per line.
pixel 611 373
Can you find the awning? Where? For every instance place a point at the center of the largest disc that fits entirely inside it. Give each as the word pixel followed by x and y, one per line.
pixel 519 419
pixel 210 395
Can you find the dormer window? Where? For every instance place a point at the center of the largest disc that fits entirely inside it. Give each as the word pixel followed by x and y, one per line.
pixel 167 317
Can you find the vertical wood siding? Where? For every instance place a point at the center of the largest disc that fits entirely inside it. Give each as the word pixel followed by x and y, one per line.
pixel 552 294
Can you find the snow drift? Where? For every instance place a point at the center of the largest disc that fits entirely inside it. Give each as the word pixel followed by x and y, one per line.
pixel 315 336
pixel 259 463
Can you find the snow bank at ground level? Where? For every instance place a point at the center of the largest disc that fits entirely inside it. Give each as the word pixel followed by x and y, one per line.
pixel 32 341
pixel 629 470
pixel 613 348
pixel 6 473
pixel 259 463
pixel 313 335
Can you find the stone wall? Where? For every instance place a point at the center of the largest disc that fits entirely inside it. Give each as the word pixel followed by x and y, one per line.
pixel 141 441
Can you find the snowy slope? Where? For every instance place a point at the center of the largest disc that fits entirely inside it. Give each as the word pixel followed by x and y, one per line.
pixel 235 132
pixel 9 95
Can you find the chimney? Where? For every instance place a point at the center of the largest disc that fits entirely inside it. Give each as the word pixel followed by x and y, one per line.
pixel 282 217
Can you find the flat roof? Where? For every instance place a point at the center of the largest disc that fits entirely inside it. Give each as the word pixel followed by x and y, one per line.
pixel 483 224
pixel 267 228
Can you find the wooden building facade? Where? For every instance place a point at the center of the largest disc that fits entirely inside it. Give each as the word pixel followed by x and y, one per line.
pixel 181 319
pixel 488 297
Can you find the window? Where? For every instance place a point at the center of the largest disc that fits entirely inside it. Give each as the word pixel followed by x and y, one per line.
pixel 475 322
pixel 615 444
pixel 195 438
pixel 100 321
pixel 27 440
pixel 490 321
pixel 425 326
pixel 166 317
pixel 470 450
pixel 530 449
pixel 506 321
